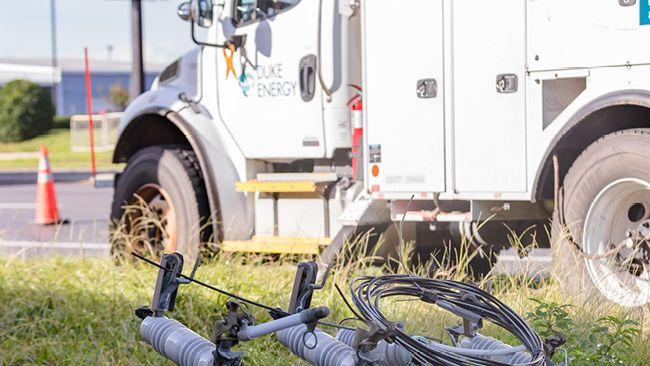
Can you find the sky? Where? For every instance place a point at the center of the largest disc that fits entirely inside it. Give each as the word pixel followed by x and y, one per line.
pixel 96 24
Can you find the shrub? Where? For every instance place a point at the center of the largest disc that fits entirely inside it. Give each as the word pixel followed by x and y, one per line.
pixel 118 95
pixel 61 122
pixel 26 111
pixel 608 340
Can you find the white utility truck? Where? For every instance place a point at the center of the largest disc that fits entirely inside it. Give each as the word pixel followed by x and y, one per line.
pixel 295 123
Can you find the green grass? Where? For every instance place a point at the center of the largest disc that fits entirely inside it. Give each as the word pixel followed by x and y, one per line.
pixel 80 311
pixel 61 156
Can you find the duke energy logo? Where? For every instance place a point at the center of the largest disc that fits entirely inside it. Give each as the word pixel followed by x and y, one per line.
pixel 266 81
pixel 644 15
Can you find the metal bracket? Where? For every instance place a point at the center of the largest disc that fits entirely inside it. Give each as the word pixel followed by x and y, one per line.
pixel 167 282
pixel 304 286
pixel 224 356
pixel 225 335
pixel 194 106
pixel 471 321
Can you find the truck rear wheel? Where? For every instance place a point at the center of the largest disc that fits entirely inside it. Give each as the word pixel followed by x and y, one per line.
pixel 603 248
pixel 160 204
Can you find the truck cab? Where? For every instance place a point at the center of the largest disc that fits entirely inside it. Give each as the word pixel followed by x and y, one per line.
pixel 296 124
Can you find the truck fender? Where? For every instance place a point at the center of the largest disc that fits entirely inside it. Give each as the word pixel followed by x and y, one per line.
pixel 608 113
pixel 219 172
pixel 223 168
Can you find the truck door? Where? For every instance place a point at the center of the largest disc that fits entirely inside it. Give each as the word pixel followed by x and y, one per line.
pixel 403 97
pixel 268 95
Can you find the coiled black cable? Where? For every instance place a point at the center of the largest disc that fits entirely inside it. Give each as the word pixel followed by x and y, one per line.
pixel 368 291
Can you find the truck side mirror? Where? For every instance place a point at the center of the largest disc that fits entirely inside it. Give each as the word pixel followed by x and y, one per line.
pixel 201 11
pixel 197 11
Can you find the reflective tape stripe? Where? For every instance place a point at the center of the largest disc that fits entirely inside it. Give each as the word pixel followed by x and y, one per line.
pixel 45 177
pixel 43 164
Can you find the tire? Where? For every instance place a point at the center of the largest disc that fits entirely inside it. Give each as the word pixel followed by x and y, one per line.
pixel 176 174
pixel 599 192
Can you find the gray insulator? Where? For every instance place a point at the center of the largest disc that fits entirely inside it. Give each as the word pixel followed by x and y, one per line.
pixel 346 336
pixel 177 342
pixel 326 350
pixel 480 342
pixel 385 353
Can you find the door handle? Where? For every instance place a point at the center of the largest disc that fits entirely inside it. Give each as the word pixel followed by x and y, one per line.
pixel 307 77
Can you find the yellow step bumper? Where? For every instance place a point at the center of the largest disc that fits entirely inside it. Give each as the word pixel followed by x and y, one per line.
pixel 276 187
pixel 276 245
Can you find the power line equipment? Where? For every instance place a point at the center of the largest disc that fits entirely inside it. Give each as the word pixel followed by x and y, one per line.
pixel 380 341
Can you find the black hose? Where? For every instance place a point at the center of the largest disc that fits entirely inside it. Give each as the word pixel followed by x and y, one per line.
pixel 367 291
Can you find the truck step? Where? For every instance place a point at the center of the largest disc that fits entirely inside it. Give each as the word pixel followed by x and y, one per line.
pixel 286 182
pixel 276 245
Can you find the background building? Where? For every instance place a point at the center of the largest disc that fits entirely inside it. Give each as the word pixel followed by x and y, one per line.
pixel 45 76
pixel 68 80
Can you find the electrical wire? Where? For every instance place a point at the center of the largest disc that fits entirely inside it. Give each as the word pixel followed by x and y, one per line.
pixel 368 291
pixel 336 326
pixel 347 303
pixel 277 311
pixel 400 249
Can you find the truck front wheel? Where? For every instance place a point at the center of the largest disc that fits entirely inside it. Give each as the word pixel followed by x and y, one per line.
pixel 160 204
pixel 603 246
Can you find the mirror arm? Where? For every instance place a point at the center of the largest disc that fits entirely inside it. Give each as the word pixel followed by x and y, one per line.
pixel 201 43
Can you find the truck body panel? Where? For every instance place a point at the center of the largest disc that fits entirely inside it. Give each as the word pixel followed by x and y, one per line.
pixel 567 34
pixel 560 56
pixel 405 140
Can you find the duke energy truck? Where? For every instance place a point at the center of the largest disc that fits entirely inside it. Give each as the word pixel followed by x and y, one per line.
pixel 296 123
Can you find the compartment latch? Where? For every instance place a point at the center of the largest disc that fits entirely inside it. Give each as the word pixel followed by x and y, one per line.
pixel 427 88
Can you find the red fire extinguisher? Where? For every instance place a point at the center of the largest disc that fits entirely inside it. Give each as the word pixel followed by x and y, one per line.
pixel 356 106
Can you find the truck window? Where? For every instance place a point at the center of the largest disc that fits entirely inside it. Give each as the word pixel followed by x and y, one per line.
pixel 248 11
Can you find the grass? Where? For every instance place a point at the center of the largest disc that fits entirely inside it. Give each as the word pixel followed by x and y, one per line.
pixel 59 311
pixel 80 311
pixel 61 156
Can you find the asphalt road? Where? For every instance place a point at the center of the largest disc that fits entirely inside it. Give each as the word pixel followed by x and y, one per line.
pixel 85 207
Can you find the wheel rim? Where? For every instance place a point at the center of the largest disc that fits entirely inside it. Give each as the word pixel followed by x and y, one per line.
pixel 615 236
pixel 162 228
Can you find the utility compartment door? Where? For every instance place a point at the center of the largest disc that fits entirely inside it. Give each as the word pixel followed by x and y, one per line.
pixel 403 44
pixel 489 44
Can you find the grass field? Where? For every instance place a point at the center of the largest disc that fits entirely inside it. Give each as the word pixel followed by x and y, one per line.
pixel 80 311
pixel 61 156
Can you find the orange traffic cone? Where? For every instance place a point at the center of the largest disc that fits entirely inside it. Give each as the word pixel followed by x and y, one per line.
pixel 46 211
